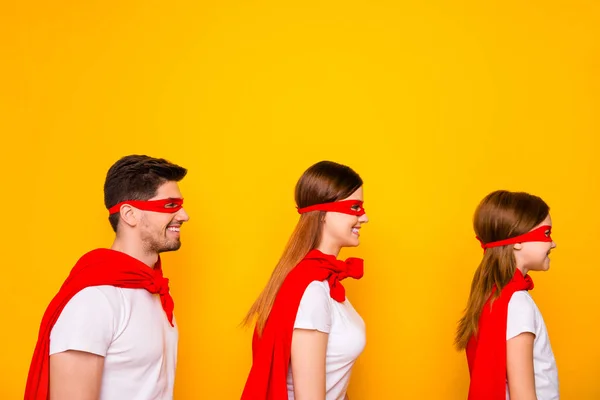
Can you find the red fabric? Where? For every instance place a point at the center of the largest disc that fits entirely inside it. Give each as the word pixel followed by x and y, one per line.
pixel 536 235
pixel 486 352
pixel 271 351
pixel 150 205
pixel 98 267
pixel 344 207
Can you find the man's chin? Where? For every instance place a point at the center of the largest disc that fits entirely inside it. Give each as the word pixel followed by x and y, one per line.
pixel 171 247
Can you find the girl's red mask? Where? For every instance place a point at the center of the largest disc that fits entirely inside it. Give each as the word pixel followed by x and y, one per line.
pixel 541 234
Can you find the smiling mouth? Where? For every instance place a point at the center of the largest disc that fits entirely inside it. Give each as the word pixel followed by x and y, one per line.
pixel 174 229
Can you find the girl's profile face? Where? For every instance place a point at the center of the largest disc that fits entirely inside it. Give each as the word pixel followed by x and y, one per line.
pixel 534 256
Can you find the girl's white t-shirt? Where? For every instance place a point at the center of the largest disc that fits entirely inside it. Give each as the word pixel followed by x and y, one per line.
pixel 524 316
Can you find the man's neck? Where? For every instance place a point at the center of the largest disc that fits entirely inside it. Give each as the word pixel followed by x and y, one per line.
pixel 135 251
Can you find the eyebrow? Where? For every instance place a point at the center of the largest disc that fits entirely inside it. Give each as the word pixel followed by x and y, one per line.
pixel 167 198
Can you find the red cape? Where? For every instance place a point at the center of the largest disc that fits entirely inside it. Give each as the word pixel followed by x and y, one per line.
pixel 271 351
pixel 486 352
pixel 98 267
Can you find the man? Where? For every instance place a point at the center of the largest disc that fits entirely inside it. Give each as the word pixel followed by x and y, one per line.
pixel 109 333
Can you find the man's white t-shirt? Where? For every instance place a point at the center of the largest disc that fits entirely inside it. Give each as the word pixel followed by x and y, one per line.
pixel 347 338
pixel 129 328
pixel 524 316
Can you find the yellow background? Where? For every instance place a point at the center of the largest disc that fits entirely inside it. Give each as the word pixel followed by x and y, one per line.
pixel 435 104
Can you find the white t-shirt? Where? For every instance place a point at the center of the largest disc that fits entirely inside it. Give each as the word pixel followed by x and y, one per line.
pixel 524 316
pixel 346 329
pixel 129 328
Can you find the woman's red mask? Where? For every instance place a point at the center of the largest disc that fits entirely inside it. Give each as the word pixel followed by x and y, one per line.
pixel 350 207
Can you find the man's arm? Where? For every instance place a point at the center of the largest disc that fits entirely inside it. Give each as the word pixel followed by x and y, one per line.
pixel 79 341
pixel 75 375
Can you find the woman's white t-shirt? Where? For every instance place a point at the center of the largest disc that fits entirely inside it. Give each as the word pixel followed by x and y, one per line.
pixel 347 338
pixel 524 316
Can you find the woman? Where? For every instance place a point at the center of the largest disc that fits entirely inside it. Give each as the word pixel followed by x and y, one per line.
pixel 307 334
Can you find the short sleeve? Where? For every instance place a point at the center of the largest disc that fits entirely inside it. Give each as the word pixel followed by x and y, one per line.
pixel 314 311
pixel 521 315
pixel 85 324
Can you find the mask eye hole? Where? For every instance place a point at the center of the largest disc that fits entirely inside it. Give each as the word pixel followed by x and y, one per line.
pixel 356 207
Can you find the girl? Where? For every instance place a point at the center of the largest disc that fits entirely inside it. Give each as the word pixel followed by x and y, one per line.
pixel 502 330
pixel 307 333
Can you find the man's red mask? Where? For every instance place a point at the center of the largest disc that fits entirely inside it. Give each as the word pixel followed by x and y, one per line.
pixel 169 206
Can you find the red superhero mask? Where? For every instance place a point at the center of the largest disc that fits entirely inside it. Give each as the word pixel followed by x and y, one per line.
pixel 169 206
pixel 536 235
pixel 350 207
